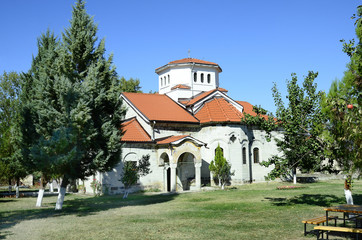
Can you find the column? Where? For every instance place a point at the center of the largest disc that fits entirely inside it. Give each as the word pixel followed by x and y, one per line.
pixel 173 177
pixel 198 175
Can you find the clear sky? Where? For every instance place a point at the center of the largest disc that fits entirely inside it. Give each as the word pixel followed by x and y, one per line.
pixel 255 42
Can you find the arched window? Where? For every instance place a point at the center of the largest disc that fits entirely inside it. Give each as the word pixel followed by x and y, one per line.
pixel 222 150
pixel 256 155
pixel 164 81
pixel 202 77
pixel 195 77
pixel 244 155
pixel 168 76
pixel 161 81
pixel 208 78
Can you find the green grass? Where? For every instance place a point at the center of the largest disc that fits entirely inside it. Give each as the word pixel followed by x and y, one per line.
pixel 256 211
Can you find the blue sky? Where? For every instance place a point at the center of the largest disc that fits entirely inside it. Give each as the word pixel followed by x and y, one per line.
pixel 256 43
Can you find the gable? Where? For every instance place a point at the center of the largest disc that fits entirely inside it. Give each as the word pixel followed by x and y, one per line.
pixel 158 107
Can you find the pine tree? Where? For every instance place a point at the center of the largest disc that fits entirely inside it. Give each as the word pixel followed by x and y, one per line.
pixel 11 167
pixel 74 111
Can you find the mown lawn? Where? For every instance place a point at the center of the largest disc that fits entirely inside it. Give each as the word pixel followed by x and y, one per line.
pixel 256 211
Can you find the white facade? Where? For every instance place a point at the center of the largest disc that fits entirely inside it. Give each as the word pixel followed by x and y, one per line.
pixel 198 77
pixel 183 164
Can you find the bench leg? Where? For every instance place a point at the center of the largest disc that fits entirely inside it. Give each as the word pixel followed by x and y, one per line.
pixel 305 229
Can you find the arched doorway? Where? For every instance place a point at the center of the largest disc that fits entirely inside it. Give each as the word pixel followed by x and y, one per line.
pixel 186 171
pixel 165 161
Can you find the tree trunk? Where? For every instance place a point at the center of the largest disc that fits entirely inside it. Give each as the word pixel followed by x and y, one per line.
pixel 17 187
pixel 125 195
pixel 61 195
pixel 294 176
pixel 10 187
pixel 39 200
pixel 51 187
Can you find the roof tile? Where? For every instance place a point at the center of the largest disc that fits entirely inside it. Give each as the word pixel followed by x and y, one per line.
pixel 159 107
pixel 218 110
pixel 134 132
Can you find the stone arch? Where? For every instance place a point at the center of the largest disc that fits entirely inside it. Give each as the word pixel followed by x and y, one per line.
pixel 187 147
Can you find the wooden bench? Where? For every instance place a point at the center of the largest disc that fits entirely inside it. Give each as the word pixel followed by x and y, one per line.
pixel 317 221
pixel 327 229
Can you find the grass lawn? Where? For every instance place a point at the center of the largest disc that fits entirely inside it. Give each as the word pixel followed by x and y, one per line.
pixel 256 211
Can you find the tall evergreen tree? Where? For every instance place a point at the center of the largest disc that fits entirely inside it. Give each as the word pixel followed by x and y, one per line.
pixel 11 167
pixel 75 114
pixel 40 109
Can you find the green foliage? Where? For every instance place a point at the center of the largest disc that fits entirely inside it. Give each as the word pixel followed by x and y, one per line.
pixel 10 151
pixel 302 124
pixel 96 187
pixel 72 111
pixel 344 127
pixel 131 85
pixel 133 171
pixel 220 167
pixel 263 120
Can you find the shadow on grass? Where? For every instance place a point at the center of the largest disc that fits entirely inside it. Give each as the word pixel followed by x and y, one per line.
pixel 323 200
pixel 79 207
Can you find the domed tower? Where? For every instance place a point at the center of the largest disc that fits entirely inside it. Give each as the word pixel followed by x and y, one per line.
pixel 187 77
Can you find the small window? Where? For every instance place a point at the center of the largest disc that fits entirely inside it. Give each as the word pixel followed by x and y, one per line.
pixel 161 81
pixel 164 83
pixel 168 76
pixel 256 155
pixel 195 77
pixel 208 78
pixel 202 77
pixel 244 155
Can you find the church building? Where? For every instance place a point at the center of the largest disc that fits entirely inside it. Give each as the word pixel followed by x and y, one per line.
pixel 181 126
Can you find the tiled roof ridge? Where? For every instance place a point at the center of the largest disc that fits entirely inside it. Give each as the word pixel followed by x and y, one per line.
pixel 222 109
pixel 192 60
pixel 203 95
pixel 237 112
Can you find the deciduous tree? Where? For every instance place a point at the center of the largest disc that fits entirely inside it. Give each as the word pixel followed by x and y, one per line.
pixel 302 123
pixel 132 171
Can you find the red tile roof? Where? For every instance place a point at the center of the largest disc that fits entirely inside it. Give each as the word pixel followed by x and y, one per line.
pixel 192 60
pixel 218 110
pixel 134 132
pixel 170 139
pixel 248 108
pixel 180 86
pixel 201 96
pixel 159 107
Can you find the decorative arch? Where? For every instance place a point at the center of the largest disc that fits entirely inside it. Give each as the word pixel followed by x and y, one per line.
pixel 132 156
pixel 187 147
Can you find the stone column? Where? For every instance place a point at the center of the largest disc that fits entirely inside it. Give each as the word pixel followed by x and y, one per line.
pixel 198 176
pixel 173 177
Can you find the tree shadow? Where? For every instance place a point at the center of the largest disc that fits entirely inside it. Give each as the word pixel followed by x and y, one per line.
pixel 79 207
pixel 323 200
